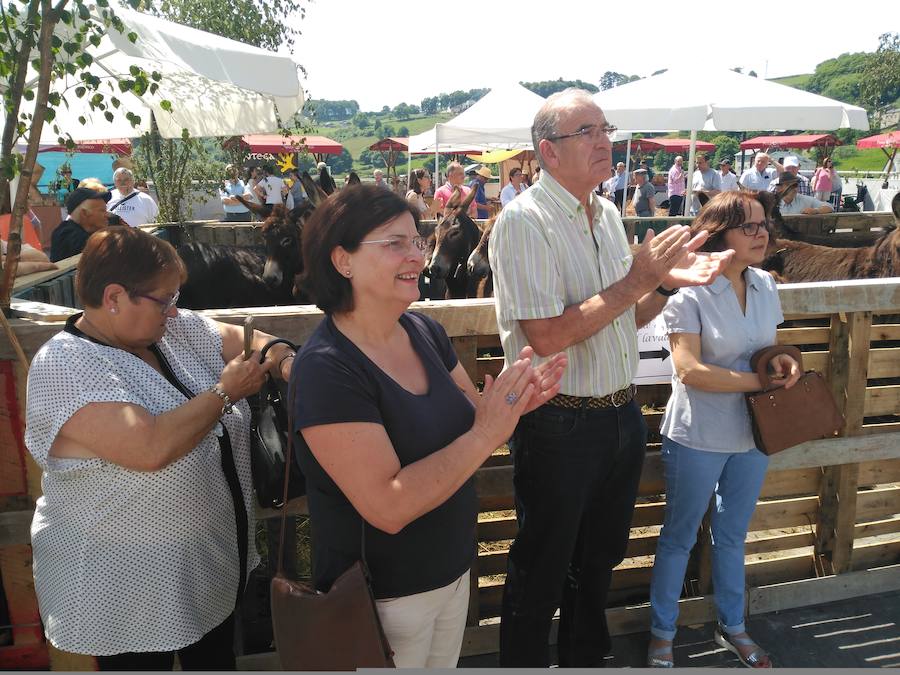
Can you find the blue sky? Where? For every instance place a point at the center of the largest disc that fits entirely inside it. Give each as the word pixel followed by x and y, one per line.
pixel 531 40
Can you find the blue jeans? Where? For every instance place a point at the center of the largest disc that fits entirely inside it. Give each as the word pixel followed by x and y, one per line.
pixel 576 475
pixel 692 477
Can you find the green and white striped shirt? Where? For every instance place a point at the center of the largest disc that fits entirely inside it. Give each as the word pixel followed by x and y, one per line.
pixel 545 256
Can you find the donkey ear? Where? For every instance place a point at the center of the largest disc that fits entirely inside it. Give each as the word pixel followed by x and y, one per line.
pixel 467 201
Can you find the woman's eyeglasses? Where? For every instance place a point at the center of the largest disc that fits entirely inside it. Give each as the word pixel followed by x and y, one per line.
pixel 165 305
pixel 591 131
pixel 752 229
pixel 401 245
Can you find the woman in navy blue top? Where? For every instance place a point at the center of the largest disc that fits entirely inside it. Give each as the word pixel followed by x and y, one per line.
pixel 392 428
pixel 708 447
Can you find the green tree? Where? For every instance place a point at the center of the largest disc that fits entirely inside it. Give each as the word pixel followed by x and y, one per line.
pixel 340 163
pixel 270 24
pixel 611 79
pixel 40 42
pixel 403 132
pixel 880 86
pixel 377 125
pixel 726 148
pixel 388 130
pixel 361 120
pixel 662 160
pixel 548 87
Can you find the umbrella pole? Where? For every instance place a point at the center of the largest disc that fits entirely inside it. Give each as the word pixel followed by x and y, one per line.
pixel 692 156
pixel 627 164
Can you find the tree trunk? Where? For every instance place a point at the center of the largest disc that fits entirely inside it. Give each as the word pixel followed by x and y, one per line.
pixel 20 205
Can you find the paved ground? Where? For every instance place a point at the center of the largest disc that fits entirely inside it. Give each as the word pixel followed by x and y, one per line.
pixel 859 633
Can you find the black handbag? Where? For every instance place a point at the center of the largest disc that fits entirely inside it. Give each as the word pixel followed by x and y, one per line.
pixel 268 441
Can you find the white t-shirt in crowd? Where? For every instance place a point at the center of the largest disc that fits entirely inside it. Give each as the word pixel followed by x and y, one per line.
pixel 729 182
pixel 272 185
pixel 138 210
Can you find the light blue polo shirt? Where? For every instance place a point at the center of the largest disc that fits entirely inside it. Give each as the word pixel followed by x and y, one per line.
pixel 719 421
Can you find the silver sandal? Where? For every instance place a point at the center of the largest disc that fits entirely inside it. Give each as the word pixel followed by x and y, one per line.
pixel 655 660
pixel 730 642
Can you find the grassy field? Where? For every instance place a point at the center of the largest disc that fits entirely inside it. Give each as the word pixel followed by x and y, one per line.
pixel 850 158
pixel 793 80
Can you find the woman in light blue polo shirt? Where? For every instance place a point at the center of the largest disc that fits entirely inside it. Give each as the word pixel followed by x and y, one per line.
pixel 708 447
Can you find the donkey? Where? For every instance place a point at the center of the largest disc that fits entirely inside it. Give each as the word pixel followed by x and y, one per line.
pixel 796 261
pixel 478 265
pixel 784 230
pixel 226 276
pixel 455 237
pixel 313 192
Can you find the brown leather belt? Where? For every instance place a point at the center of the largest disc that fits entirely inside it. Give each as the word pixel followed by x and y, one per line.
pixel 615 400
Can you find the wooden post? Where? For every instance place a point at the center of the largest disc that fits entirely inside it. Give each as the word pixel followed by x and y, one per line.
pixel 848 371
pixel 466 350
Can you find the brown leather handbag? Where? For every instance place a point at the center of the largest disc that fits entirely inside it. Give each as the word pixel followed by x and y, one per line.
pixel 337 630
pixel 783 418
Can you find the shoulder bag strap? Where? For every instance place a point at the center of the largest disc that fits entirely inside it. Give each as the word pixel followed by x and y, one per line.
pixel 122 201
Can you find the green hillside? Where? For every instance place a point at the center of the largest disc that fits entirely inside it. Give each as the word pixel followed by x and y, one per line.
pixel 798 81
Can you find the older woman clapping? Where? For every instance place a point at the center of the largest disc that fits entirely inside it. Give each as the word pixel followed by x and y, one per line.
pixel 144 534
pixel 393 429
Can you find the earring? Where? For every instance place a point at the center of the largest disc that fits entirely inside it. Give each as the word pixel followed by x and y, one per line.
pixel 114 310
pixel 348 273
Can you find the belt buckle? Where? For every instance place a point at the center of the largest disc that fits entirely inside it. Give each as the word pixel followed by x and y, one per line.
pixel 621 395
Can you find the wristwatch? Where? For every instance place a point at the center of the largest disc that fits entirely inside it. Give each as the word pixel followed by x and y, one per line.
pixel 667 293
pixel 227 405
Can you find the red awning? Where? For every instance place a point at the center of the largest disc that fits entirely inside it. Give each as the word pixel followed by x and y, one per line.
pixel 110 146
pixel 395 143
pixel 888 140
pixel 671 145
pixel 800 142
pixel 275 143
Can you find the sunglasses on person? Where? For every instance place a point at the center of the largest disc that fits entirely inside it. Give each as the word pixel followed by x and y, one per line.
pixel 752 229
pixel 400 244
pixel 591 131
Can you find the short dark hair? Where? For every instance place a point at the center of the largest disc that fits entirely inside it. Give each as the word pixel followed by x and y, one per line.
pixel 514 172
pixel 344 219
pixel 726 210
pixel 126 256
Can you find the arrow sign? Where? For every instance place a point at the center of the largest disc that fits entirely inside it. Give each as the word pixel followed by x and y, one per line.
pixel 661 354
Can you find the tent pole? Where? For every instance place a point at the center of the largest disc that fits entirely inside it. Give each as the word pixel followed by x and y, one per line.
pixel 743 138
pixel 627 176
pixel 692 157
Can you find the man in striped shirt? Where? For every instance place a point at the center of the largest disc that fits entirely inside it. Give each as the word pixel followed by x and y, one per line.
pixel 565 280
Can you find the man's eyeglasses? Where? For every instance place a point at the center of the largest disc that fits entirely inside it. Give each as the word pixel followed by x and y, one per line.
pixel 591 131
pixel 401 245
pixel 165 305
pixel 752 229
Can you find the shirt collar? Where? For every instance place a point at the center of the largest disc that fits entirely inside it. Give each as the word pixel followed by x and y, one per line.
pixel 722 282
pixel 565 199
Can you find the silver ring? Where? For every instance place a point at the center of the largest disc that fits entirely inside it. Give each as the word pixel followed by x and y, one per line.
pixel 512 397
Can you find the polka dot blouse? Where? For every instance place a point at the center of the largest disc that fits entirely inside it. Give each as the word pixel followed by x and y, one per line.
pixel 131 561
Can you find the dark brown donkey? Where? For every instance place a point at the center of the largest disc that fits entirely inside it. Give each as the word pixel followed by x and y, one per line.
pixel 455 237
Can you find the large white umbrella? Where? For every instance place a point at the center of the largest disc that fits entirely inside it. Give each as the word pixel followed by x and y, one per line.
pixel 217 86
pixel 721 100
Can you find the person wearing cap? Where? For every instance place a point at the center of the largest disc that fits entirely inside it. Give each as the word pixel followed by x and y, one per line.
pixel 482 176
pixel 87 214
pixel 760 174
pixel 792 170
pixel 235 212
pixel 705 182
pixel 727 178
pixel 791 202
pixel 67 183
pixel 134 207
pixel 675 184
pixel 455 177
pixel 644 195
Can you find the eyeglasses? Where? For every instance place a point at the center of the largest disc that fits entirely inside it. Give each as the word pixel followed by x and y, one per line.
pixel 401 245
pixel 166 305
pixel 752 229
pixel 591 131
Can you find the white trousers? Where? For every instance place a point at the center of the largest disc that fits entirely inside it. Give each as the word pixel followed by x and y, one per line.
pixel 426 629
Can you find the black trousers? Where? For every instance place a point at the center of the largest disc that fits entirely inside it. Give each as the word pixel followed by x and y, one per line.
pixel 676 205
pixel 618 196
pixel 576 475
pixel 214 651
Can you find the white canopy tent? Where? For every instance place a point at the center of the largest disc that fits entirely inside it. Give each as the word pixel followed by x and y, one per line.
pixel 217 86
pixel 501 119
pixel 721 100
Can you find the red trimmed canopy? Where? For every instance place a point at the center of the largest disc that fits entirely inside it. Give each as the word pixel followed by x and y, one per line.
pixel 670 145
pixel 800 142
pixel 110 146
pixel 395 143
pixel 276 143
pixel 888 140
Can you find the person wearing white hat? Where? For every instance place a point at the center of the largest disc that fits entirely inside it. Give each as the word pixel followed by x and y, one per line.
pixel 482 176
pixel 792 170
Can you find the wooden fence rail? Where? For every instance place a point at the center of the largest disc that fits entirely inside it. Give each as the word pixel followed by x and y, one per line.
pixel 829 510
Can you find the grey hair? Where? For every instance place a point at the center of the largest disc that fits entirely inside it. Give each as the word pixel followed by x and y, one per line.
pixel 546 121
pixel 122 171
